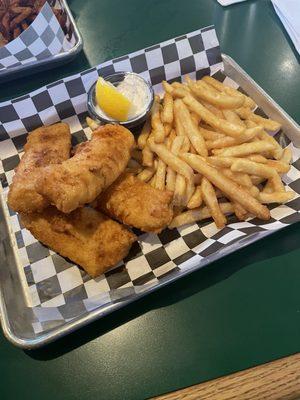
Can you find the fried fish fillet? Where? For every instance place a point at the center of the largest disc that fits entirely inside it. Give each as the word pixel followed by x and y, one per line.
pixel 94 167
pixel 85 236
pixel 135 203
pixel 45 145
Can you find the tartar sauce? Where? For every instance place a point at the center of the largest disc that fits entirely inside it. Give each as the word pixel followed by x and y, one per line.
pixel 136 91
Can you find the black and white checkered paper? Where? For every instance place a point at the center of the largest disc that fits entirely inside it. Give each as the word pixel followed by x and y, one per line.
pixel 59 291
pixel 44 38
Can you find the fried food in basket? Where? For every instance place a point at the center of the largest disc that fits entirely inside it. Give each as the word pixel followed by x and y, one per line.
pixel 214 146
pixel 85 236
pixel 45 146
pixel 135 203
pixel 94 167
pixel 17 15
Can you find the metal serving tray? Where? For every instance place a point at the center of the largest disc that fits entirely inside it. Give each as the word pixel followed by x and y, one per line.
pixel 49 62
pixel 17 317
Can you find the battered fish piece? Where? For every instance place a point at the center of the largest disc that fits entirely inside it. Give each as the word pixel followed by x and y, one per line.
pixel 94 167
pixel 45 145
pixel 135 203
pixel 85 236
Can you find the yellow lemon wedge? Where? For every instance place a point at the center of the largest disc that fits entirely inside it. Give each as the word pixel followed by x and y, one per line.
pixel 112 102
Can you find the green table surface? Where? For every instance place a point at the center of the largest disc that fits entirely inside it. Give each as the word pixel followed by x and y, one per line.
pixel 238 312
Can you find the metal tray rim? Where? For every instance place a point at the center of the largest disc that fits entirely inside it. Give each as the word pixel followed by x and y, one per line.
pixel 71 326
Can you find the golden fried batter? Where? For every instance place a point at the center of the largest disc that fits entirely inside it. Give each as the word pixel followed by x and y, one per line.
pixel 85 236
pixel 135 203
pixel 45 145
pixel 93 168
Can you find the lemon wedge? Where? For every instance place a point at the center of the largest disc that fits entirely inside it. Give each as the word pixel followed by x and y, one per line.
pixel 112 102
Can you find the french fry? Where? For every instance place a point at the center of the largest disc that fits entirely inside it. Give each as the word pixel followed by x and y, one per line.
pixel 92 124
pixel 252 168
pixel 276 197
pixel 179 198
pixel 232 116
pixel 198 214
pixel 157 126
pixel 240 212
pixel 209 134
pixel 171 174
pixel 143 136
pixel 152 181
pixel 160 175
pixel 146 174
pixel 268 188
pixel 216 98
pixel 191 129
pixel 244 149
pixel 167 111
pixel 256 180
pixel 257 158
pixel 238 177
pixel 180 93
pixel 195 118
pixel 279 166
pixel 278 150
pixel 167 128
pixel 227 186
pixel 147 157
pixel 248 102
pixel 168 88
pixel 196 199
pixel 178 123
pixel 266 123
pixel 221 162
pixel 216 111
pixel 277 183
pixel 211 201
pixel 172 136
pixel 185 145
pixel 286 157
pixel 225 141
pixel 224 126
pixel 190 188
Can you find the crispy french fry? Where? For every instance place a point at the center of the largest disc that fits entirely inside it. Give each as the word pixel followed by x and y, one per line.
pixel 240 212
pixel 167 128
pixel 238 177
pixel 168 88
pixel 227 186
pixel 180 93
pixel 179 198
pixel 92 124
pixel 147 156
pixel 257 158
pixel 160 175
pixel 277 183
pixel 216 111
pixel 210 199
pixel 195 118
pixel 146 174
pixel 157 126
pixel 185 145
pixel 190 188
pixel 210 134
pixel 248 102
pixel 252 168
pixel 266 123
pixel 232 116
pixel 143 136
pixel 171 174
pixel 167 111
pixel 278 150
pixel 244 149
pixel 279 166
pixel 286 157
pixel 178 123
pixel 196 199
pixel 225 141
pixel 191 129
pixel 224 126
pixel 256 180
pixel 276 197
pixel 198 214
pixel 220 100
pixel 172 136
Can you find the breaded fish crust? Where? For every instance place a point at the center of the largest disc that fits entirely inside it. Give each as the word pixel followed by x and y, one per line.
pixel 95 166
pixel 135 203
pixel 46 145
pixel 86 236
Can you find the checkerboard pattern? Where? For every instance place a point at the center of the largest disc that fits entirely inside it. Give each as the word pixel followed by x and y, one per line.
pixel 59 290
pixel 42 39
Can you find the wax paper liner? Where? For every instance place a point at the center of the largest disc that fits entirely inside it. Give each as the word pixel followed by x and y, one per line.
pixel 42 39
pixel 59 291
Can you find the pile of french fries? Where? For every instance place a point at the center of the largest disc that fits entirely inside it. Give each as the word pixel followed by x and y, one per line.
pixel 204 143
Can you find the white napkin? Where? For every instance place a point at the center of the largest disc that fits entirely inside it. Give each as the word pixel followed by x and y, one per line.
pixel 289 13
pixel 228 2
